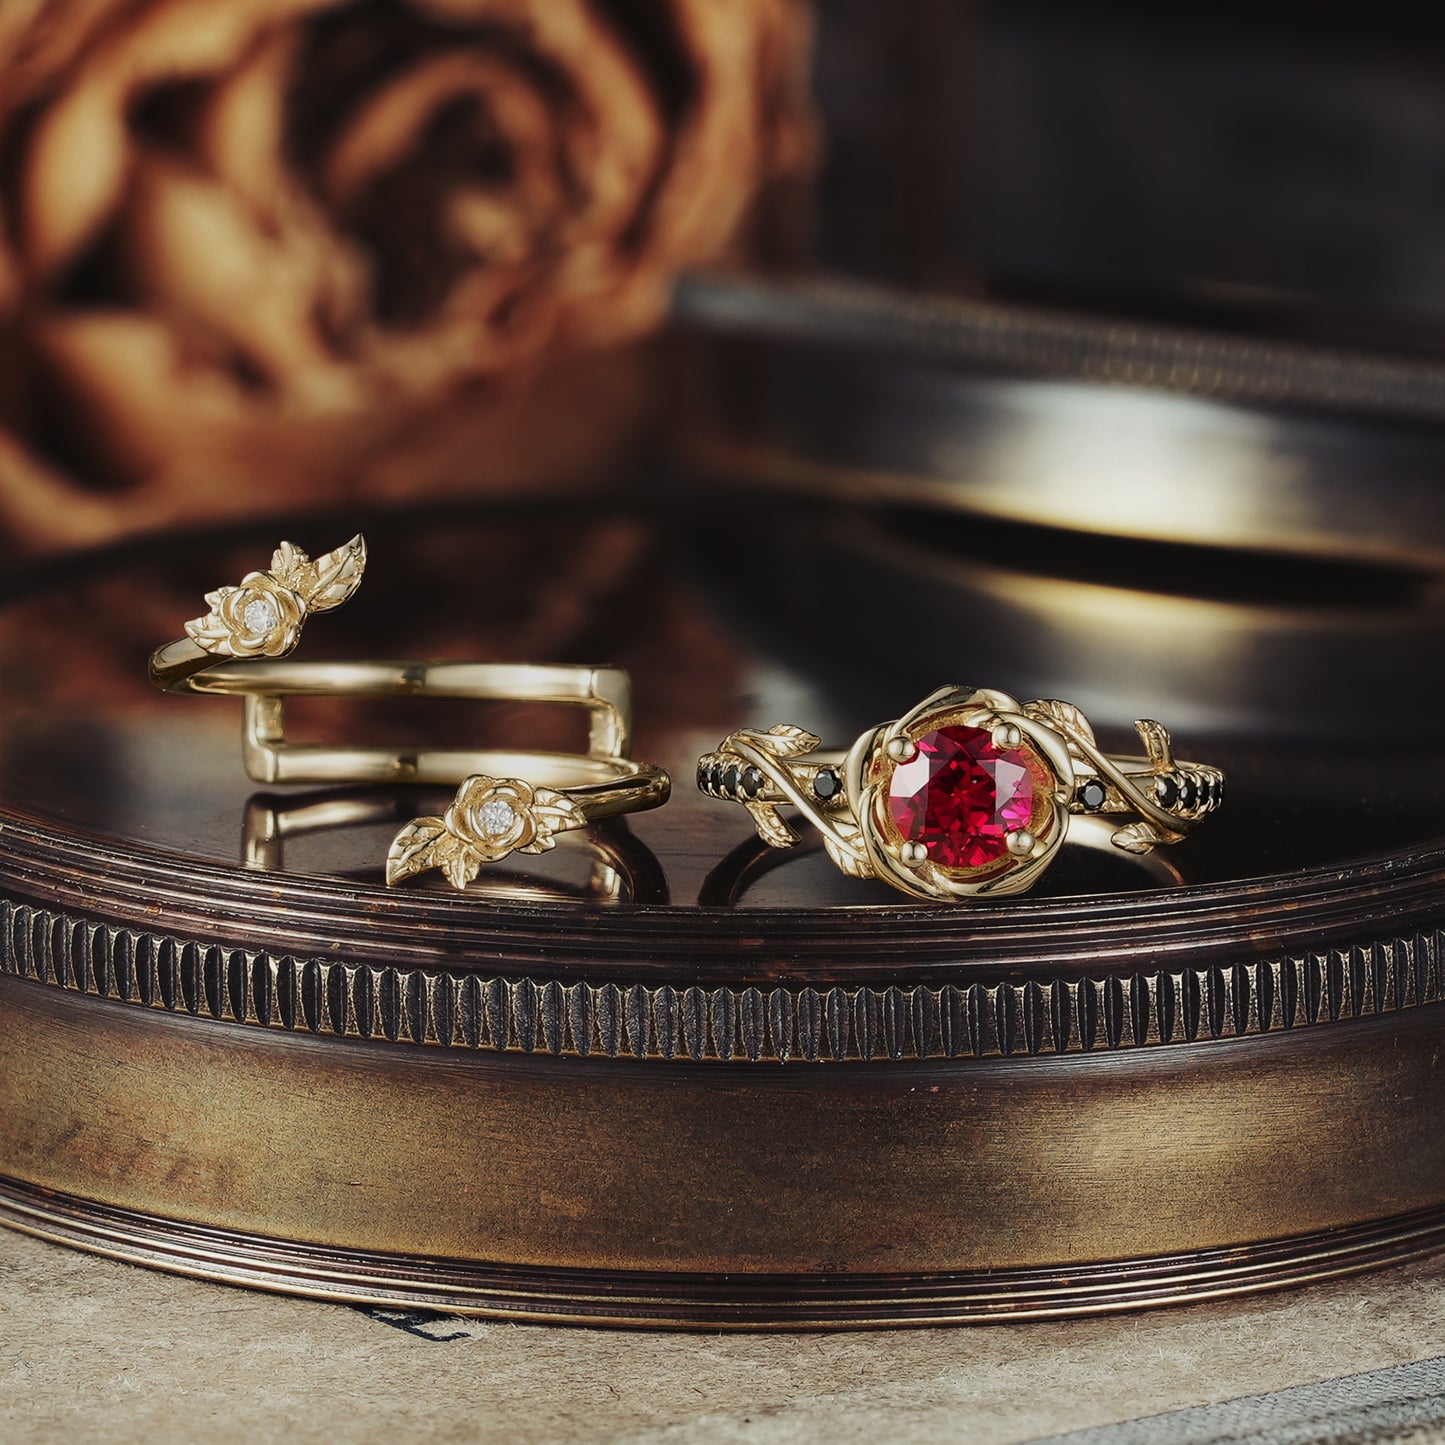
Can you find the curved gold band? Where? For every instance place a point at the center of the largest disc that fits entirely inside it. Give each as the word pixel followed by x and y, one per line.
pixel 238 649
pixel 730 880
pixel 541 792
pixel 264 685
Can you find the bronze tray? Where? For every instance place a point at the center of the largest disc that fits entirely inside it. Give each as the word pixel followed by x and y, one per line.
pixel 799 1102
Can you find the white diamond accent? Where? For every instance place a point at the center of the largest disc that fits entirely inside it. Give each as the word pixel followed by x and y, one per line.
pixel 496 817
pixel 259 616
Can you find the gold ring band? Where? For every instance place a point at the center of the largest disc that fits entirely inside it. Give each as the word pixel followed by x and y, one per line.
pixel 730 880
pixel 263 616
pixel 970 793
pixel 604 691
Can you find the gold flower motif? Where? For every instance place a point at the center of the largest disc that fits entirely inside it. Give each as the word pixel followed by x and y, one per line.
pixel 488 818
pixel 493 817
pixel 263 616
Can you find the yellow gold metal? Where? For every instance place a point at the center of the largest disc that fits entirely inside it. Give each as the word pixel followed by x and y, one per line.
pixel 901 749
pixel 1130 804
pixel 271 820
pixel 263 616
pixel 509 801
pixel 604 691
pixel 494 816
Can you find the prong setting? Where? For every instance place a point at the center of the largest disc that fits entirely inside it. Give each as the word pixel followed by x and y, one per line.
pixel 1001 720
pixel 902 749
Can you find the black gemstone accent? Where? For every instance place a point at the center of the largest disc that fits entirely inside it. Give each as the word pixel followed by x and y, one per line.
pixel 752 782
pixel 826 784
pixel 1092 795
pixel 702 776
pixel 714 778
pixel 1166 792
pixel 730 780
pixel 1188 794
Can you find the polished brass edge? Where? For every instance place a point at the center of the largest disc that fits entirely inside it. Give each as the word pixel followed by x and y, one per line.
pixel 748 1024
pixel 661 1299
pixel 850 318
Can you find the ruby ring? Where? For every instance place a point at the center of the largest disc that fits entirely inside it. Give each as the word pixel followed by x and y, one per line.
pixel 970 793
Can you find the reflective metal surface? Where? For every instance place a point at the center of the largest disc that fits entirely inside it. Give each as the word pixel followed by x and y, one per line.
pixel 1102 512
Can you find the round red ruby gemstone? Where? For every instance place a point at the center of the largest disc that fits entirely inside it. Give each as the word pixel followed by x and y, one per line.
pixel 962 796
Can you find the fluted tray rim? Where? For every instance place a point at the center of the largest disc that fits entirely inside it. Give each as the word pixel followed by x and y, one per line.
pixel 124 881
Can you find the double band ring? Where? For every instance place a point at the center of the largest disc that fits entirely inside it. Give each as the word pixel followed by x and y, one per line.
pixel 506 802
pixel 971 793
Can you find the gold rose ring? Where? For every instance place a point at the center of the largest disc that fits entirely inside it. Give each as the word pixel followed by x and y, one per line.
pixel 971 793
pixel 508 801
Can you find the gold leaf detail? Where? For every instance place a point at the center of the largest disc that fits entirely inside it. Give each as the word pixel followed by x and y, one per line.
pixel 337 576
pixel 1061 715
pixel 461 864
pixel 292 568
pixel 1136 838
pixel 854 863
pixel 783 741
pixel 552 812
pixel 418 847
pixel 211 634
pixel 771 827
pixel 1155 737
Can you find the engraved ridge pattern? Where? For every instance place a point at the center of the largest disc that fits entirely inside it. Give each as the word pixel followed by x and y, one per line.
pixel 774 1024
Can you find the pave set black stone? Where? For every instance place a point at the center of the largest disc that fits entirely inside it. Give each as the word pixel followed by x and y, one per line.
pixel 1188 792
pixel 721 779
pixel 1176 792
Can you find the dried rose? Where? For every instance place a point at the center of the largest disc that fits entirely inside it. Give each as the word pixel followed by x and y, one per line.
pixel 267 248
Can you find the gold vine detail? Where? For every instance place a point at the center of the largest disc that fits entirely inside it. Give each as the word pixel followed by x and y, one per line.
pixel 1154 825
pixel 770 753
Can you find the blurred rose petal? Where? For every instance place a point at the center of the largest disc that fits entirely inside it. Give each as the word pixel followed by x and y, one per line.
pixel 269 252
